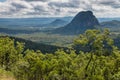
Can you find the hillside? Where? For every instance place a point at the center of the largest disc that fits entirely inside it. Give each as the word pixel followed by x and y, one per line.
pixel 37 46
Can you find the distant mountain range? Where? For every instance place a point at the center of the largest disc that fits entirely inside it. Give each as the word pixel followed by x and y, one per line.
pixel 55 24
pixel 111 24
pixel 107 19
pixel 66 25
pixel 18 23
pixel 81 22
pixel 37 22
pixel 44 27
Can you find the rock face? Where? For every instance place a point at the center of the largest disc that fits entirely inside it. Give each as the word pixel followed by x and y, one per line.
pixel 82 21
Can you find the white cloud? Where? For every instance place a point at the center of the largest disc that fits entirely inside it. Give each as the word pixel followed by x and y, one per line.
pixel 30 8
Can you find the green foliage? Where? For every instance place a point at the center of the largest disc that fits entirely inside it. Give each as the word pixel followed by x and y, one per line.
pixel 102 62
pixel 95 41
pixel 9 53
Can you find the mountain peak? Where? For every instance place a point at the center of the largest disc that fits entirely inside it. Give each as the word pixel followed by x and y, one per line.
pixel 86 12
pixel 85 19
pixel 81 22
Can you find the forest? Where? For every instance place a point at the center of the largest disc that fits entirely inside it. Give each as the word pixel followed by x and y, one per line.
pixel 100 62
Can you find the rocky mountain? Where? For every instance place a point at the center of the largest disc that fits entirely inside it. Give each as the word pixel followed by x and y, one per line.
pixel 56 23
pixel 82 21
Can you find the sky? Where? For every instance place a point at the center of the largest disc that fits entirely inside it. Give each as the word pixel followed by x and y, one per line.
pixel 2 0
pixel 58 8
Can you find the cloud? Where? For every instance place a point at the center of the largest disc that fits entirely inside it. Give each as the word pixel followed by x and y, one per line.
pixel 37 0
pixel 21 4
pixel 43 8
pixel 112 3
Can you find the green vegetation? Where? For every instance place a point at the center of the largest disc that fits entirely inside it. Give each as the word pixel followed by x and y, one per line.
pixel 101 62
pixel 44 48
pixel 50 39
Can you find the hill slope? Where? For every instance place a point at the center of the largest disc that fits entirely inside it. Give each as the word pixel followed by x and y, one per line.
pixel 37 46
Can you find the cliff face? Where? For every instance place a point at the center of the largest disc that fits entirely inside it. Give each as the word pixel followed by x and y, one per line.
pixel 82 21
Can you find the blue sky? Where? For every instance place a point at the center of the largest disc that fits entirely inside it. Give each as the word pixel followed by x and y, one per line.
pixel 59 8
pixel 2 0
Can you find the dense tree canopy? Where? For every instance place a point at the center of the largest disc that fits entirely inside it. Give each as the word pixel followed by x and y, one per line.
pixel 101 62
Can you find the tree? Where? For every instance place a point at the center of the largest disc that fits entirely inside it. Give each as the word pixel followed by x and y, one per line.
pixel 9 52
pixel 98 42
